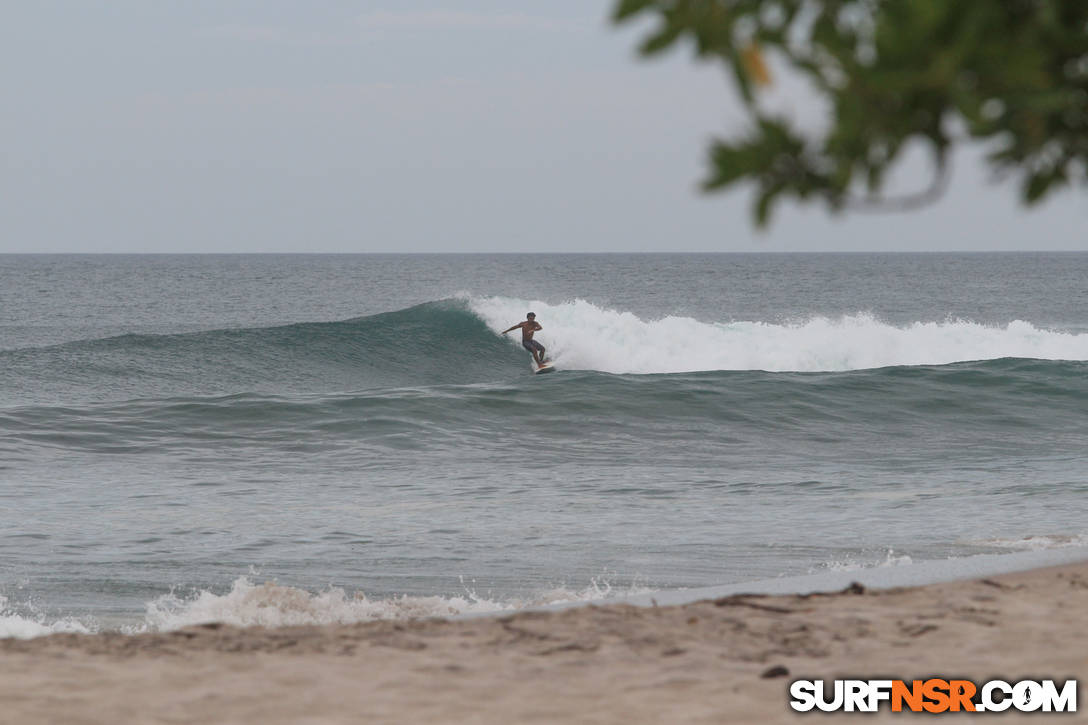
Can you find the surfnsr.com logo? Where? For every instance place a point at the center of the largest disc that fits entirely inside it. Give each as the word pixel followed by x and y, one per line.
pixel 933 695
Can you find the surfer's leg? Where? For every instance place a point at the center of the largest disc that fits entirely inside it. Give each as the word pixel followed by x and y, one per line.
pixel 531 346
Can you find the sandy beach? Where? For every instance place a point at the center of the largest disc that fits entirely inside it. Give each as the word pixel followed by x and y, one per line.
pixel 709 661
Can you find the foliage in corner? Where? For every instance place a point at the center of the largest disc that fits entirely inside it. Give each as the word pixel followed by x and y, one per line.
pixel 1014 72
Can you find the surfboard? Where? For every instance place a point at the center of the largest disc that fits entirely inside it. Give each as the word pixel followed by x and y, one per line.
pixel 547 367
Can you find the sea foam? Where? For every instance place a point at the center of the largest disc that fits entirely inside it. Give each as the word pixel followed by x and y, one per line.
pixel 36 624
pixel 581 335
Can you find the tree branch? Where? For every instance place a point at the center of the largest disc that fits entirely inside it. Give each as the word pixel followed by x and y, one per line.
pixel 908 202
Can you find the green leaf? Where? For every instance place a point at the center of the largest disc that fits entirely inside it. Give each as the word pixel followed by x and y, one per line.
pixel 1035 187
pixel 663 39
pixel 763 208
pixel 740 74
pixel 729 164
pixel 625 9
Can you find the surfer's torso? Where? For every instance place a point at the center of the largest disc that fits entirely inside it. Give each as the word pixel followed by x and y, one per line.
pixel 528 328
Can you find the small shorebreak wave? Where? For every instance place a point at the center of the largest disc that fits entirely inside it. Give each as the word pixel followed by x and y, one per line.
pixel 270 604
pixel 26 625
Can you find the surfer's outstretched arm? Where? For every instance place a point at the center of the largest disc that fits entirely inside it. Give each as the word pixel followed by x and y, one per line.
pixel 511 328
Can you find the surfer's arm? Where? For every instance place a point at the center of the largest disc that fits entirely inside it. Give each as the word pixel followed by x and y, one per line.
pixel 513 328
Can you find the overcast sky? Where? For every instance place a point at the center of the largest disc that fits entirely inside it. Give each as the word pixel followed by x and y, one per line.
pixel 470 126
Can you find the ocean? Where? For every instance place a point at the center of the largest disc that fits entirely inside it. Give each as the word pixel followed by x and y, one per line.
pixel 276 439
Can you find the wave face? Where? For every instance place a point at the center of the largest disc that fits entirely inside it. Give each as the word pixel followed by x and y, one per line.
pixel 429 344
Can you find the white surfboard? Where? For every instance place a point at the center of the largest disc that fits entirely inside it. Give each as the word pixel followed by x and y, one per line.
pixel 547 367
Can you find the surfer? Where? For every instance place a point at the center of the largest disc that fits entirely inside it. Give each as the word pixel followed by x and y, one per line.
pixel 527 329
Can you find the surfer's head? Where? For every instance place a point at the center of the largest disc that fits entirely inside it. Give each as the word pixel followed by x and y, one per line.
pixel 530 315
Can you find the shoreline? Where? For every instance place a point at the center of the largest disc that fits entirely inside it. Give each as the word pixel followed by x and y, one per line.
pixel 250 602
pixel 706 661
pixel 885 576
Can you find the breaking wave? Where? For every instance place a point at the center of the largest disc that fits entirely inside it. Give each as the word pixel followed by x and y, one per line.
pixel 586 337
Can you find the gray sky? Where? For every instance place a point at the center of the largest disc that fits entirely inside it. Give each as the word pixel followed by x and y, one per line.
pixel 471 126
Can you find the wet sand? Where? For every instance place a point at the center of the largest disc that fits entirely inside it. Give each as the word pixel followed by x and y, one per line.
pixel 706 662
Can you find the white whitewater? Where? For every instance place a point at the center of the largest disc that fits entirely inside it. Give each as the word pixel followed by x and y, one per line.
pixel 580 335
